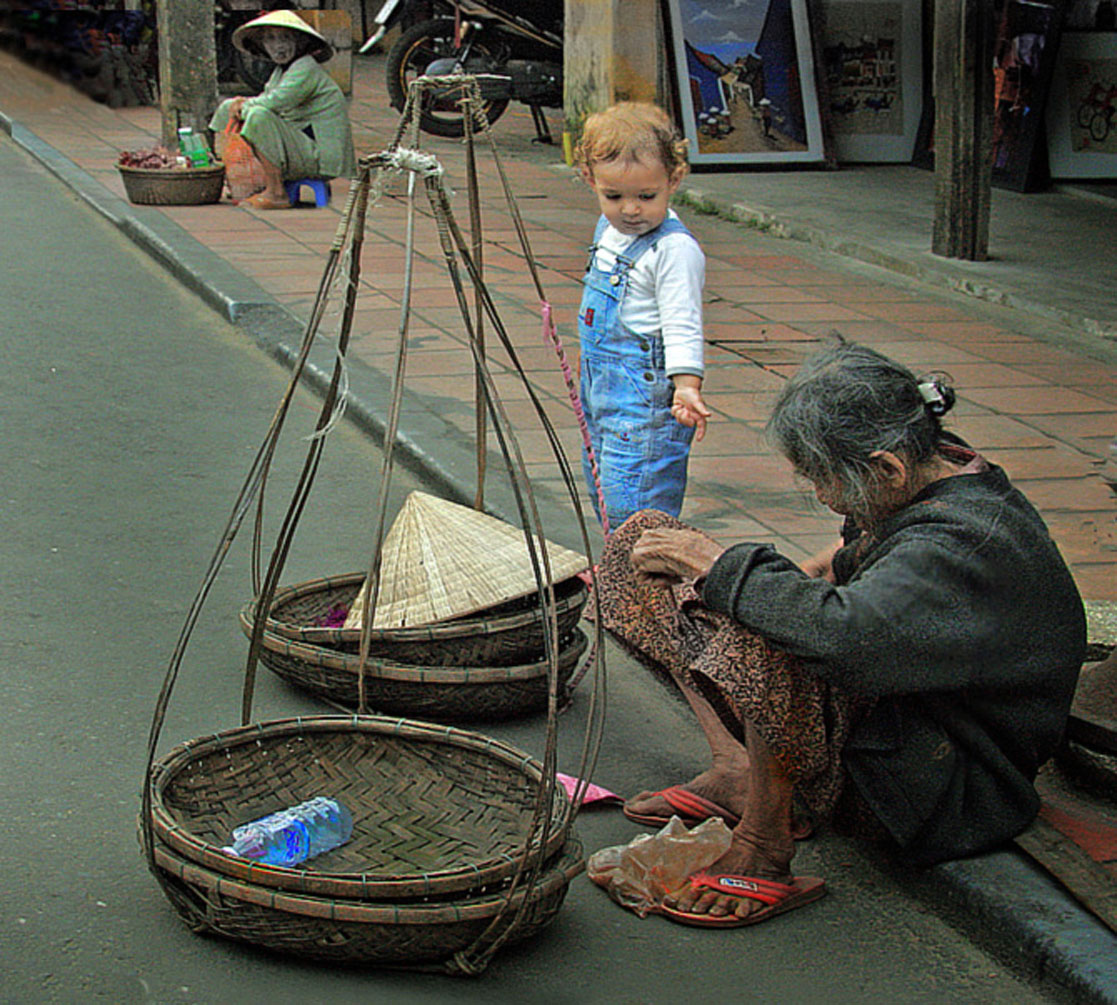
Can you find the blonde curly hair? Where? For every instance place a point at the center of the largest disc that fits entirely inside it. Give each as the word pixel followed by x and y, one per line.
pixel 631 131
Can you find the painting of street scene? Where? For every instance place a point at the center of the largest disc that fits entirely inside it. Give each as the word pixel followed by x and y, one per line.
pixel 861 54
pixel 871 61
pixel 746 80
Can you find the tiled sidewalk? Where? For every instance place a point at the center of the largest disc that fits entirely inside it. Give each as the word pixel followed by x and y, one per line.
pixel 1045 413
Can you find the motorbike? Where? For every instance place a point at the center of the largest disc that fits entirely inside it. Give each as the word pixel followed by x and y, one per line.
pixel 513 47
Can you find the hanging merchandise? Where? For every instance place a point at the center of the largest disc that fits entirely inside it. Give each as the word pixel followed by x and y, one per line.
pixel 459 843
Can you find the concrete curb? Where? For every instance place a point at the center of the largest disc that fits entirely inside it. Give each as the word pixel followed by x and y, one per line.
pixel 1003 902
pixel 1020 914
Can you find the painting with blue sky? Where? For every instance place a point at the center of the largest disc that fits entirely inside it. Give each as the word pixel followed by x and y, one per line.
pixel 746 80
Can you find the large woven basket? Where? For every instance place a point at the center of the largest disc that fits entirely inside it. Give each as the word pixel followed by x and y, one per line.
pixel 423 936
pixel 173 186
pixel 439 693
pixel 506 635
pixel 436 811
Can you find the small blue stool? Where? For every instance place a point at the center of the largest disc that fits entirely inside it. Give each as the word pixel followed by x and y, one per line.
pixel 319 186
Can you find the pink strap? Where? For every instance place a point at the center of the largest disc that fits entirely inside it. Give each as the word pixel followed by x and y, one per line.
pixel 551 335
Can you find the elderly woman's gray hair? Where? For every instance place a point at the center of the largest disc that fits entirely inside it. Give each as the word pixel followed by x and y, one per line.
pixel 848 402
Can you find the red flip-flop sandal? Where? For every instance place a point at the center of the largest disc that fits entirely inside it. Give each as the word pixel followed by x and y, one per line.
pixel 693 809
pixel 777 898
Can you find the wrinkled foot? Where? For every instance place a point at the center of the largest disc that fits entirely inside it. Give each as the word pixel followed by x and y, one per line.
pixel 748 855
pixel 263 200
pixel 720 789
pixel 694 802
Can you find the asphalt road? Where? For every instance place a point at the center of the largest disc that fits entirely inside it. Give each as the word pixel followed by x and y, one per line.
pixel 130 413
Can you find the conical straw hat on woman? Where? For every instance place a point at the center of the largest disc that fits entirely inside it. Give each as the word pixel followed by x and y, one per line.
pixel 245 37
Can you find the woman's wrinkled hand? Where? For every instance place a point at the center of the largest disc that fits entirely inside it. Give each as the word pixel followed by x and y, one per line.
pixel 664 557
pixel 821 565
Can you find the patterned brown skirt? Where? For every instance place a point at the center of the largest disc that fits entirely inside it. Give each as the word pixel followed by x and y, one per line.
pixel 804 720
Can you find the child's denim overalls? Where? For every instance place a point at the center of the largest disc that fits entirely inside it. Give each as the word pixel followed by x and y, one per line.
pixel 641 450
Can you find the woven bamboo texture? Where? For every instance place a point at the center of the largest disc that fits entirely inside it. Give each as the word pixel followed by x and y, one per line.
pixel 173 186
pixel 436 810
pixel 442 694
pixel 357 932
pixel 504 635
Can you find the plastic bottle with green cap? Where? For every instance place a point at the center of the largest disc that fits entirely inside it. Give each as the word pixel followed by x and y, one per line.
pixel 193 147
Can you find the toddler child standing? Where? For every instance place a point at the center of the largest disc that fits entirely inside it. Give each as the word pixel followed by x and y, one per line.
pixel 640 323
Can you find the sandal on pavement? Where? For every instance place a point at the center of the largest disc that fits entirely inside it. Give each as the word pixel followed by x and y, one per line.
pixel 689 807
pixel 262 201
pixel 777 898
pixel 693 809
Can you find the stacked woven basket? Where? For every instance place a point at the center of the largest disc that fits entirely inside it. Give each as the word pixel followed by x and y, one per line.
pixel 473 664
pixel 436 874
pixel 460 843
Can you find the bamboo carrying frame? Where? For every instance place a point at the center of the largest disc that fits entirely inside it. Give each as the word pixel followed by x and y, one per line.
pixel 358 904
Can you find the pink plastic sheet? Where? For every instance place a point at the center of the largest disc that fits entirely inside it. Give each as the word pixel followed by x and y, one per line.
pixel 594 793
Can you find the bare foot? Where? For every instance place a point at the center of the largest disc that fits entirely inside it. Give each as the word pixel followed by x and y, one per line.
pixel 749 854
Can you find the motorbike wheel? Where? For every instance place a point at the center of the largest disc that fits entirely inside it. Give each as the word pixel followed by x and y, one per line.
pixel 418 47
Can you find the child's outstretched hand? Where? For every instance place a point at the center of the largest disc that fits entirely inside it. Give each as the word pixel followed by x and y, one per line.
pixel 688 408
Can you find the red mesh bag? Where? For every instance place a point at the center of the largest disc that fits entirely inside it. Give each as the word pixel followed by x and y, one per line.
pixel 244 174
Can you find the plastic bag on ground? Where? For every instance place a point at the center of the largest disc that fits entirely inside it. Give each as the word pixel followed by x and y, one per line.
pixel 640 874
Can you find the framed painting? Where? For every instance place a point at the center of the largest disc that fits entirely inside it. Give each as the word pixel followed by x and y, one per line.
pixel 1025 48
pixel 745 72
pixel 1082 112
pixel 872 58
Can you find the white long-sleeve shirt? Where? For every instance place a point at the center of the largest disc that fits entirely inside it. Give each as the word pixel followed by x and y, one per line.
pixel 664 294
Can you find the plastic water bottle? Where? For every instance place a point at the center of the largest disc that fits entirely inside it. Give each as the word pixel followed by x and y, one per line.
pixel 295 834
pixel 193 147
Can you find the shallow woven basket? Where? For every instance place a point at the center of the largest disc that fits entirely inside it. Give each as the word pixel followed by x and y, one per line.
pixel 425 936
pixel 509 634
pixel 173 186
pixel 439 693
pixel 436 811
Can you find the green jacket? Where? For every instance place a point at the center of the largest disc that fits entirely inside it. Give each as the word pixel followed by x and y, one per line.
pixel 303 94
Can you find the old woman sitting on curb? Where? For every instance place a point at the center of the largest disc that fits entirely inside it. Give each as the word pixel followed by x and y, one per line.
pixel 909 682
pixel 298 126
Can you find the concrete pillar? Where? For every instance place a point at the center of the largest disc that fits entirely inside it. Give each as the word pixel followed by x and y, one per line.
pixel 613 51
pixel 187 65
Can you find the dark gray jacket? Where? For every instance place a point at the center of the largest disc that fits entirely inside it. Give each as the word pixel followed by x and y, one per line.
pixel 965 624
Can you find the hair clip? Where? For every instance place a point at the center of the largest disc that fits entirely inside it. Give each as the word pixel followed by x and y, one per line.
pixel 937 398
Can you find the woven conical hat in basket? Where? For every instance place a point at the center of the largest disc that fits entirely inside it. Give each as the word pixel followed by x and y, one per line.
pixel 442 560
